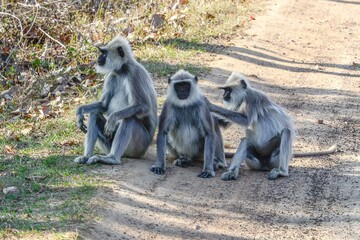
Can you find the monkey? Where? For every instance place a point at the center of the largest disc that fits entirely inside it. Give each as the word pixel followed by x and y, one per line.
pixel 269 130
pixel 187 128
pixel 123 121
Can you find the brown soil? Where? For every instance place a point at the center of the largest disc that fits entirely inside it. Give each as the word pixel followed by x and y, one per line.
pixel 306 56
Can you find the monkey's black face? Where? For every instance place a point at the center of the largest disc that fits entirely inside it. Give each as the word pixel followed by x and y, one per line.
pixel 182 89
pixel 102 57
pixel 227 94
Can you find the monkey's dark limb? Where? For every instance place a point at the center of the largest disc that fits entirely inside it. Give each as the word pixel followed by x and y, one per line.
pixel 235 117
pixel 330 150
pixel 280 162
pixel 109 160
pixel 157 170
pixel 81 159
pixel 183 162
pixel 240 155
pixel 231 175
pixel 266 150
pixel 205 175
pixel 161 142
pixel 80 123
pixel 270 146
pixel 219 164
pixel 89 108
pixel 222 122
pixel 92 108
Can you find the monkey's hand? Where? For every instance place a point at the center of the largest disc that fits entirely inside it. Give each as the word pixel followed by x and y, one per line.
pixel 110 126
pixel 206 174
pixel 157 170
pixel 80 122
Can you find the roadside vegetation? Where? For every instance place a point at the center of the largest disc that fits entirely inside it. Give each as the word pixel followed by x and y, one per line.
pixel 47 50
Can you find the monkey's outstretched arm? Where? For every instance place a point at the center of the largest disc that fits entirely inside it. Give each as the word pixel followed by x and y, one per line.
pixel 235 117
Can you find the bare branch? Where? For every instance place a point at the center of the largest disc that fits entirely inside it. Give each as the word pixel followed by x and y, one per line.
pixel 58 42
pixel 36 14
pixel 21 34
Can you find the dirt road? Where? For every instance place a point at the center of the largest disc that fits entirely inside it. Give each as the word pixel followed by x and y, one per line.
pixel 306 56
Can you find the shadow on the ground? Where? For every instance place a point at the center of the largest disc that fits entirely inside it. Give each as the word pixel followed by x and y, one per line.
pixel 161 210
pixel 266 59
pixel 341 1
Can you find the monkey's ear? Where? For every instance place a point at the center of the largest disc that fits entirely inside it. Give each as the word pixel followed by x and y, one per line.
pixel 243 83
pixel 120 51
pixel 195 79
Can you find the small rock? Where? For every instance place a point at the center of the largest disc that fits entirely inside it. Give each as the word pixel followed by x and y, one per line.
pixel 11 190
pixel 320 121
pixel 35 178
pixel 45 90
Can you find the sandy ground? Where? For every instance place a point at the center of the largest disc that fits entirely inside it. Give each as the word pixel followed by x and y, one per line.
pixel 306 56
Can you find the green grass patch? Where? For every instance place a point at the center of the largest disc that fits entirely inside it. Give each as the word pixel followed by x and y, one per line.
pixel 54 193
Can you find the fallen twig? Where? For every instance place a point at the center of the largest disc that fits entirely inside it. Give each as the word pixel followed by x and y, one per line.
pixel 58 42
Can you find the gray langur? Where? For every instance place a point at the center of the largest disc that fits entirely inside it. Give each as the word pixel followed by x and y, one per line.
pixel 123 121
pixel 187 128
pixel 269 130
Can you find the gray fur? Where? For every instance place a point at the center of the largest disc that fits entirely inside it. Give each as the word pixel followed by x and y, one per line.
pixel 268 130
pixel 188 130
pixel 123 121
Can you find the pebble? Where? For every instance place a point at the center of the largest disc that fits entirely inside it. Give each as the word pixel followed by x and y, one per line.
pixel 11 190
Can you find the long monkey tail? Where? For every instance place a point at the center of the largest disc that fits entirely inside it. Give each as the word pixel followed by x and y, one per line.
pixel 330 150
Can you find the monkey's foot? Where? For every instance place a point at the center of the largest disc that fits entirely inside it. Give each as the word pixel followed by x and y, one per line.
pixel 157 170
pixel 219 164
pixel 275 173
pixel 206 174
pixel 230 175
pixel 81 159
pixel 183 162
pixel 110 160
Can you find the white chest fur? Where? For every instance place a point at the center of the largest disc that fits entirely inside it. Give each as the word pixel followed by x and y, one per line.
pixel 186 139
pixel 122 97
